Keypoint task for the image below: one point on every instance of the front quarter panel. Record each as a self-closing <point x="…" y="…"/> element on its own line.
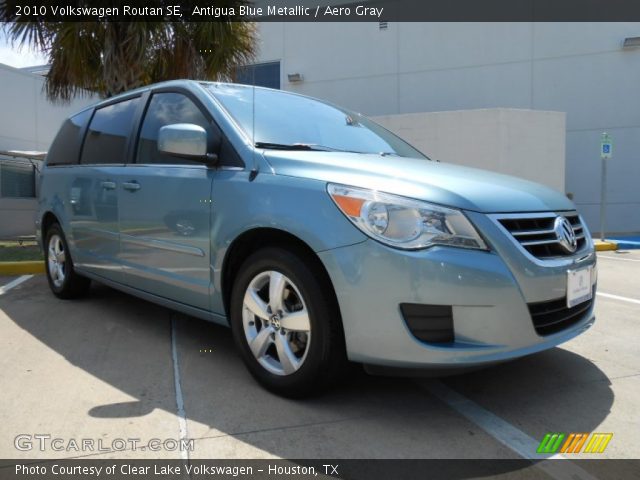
<point x="301" y="207"/>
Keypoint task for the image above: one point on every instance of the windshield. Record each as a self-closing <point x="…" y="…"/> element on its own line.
<point x="289" y="121"/>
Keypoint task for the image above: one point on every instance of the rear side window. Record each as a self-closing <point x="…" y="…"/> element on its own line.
<point x="109" y="130"/>
<point x="65" y="148"/>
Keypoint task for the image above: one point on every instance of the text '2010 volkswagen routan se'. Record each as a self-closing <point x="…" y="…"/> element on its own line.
<point x="316" y="234"/>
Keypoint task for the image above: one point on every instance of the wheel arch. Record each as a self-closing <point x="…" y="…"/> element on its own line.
<point x="258" y="238"/>
<point x="48" y="219"/>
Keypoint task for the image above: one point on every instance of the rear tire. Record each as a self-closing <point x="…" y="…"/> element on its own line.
<point x="63" y="280"/>
<point x="286" y="323"/>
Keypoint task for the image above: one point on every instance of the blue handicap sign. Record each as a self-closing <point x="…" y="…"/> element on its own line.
<point x="606" y="148"/>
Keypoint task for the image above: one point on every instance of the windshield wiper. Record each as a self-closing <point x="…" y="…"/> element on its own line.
<point x="313" y="147"/>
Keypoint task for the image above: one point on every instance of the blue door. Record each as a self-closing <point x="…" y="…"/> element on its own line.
<point x="164" y="205"/>
<point x="93" y="189"/>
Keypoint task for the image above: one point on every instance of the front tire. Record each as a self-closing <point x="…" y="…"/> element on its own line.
<point x="286" y="323"/>
<point x="63" y="280"/>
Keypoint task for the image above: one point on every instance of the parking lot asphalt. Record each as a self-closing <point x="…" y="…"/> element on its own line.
<point x="103" y="368"/>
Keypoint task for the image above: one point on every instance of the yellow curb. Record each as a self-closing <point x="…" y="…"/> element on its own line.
<point x="21" y="268"/>
<point x="604" y="246"/>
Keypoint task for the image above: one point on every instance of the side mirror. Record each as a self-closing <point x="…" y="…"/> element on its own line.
<point x="185" y="140"/>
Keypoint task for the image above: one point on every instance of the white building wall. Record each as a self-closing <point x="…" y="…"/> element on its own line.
<point x="577" y="68"/>
<point x="526" y="143"/>
<point x="28" y="121"/>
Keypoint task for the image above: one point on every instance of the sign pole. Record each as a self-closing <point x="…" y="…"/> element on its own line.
<point x="603" y="198"/>
<point x="606" y="152"/>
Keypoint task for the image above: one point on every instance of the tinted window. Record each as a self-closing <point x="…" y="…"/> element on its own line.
<point x="106" y="140"/>
<point x="261" y="75"/>
<point x="65" y="148"/>
<point x="17" y="179"/>
<point x="166" y="109"/>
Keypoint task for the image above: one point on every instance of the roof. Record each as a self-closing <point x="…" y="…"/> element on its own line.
<point x="37" y="69"/>
<point x="29" y="154"/>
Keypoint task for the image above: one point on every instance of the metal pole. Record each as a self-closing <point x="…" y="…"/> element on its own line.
<point x="603" y="198"/>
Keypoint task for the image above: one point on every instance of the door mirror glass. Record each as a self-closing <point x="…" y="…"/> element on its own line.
<point x="183" y="140"/>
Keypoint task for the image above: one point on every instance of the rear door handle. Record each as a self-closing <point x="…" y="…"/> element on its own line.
<point x="108" y="185"/>
<point x="131" y="186"/>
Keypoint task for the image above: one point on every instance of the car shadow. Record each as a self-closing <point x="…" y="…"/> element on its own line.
<point x="126" y="342"/>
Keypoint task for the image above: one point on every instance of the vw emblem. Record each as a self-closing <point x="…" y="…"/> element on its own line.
<point x="565" y="234"/>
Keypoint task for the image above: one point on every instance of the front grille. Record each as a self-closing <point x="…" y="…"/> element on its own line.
<point x="554" y="316"/>
<point x="537" y="236"/>
<point x="429" y="323"/>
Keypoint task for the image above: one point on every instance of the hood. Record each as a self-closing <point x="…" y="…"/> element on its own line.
<point x="444" y="184"/>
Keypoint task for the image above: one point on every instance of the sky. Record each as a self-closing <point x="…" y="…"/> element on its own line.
<point x="17" y="57"/>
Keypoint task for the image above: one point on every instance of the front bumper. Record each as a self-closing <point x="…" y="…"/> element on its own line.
<point x="489" y="293"/>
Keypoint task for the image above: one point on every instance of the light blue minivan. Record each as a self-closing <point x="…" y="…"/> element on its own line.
<point x="316" y="234"/>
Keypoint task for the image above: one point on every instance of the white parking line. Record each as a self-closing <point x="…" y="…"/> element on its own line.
<point x="618" y="297"/>
<point x="505" y="433"/>
<point x="619" y="259"/>
<point x="5" y="288"/>
<point x="182" y="417"/>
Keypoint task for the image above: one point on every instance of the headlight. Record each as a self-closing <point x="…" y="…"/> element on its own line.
<point x="404" y="223"/>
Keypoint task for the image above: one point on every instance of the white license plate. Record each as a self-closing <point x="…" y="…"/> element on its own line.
<point x="578" y="286"/>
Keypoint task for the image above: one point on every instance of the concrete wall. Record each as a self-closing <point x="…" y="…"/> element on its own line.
<point x="525" y="143"/>
<point x="28" y="121"/>
<point x="577" y="68"/>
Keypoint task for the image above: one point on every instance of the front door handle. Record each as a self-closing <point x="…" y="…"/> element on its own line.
<point x="108" y="185"/>
<point x="131" y="186"/>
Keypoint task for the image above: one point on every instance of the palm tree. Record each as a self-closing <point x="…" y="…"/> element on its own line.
<point x="111" y="57"/>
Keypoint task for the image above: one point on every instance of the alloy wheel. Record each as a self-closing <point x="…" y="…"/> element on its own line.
<point x="276" y="323"/>
<point x="56" y="258"/>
